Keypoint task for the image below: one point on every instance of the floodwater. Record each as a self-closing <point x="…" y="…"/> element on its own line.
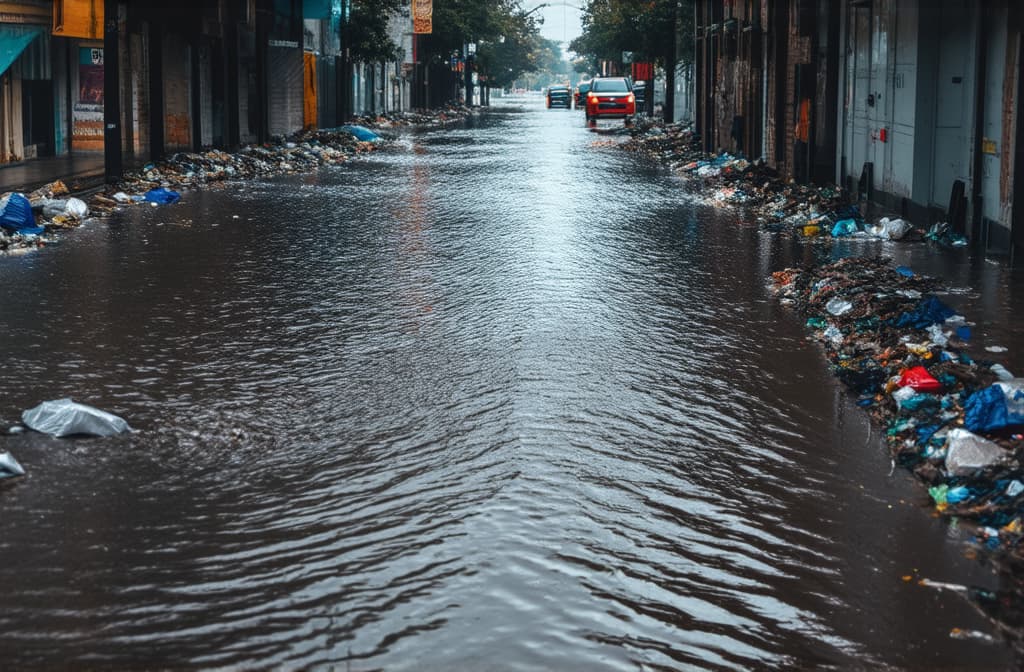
<point x="503" y="397"/>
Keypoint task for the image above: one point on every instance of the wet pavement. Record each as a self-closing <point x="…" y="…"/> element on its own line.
<point x="502" y="397"/>
<point x="80" y="172"/>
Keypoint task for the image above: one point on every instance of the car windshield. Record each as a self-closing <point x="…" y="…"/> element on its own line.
<point x="609" y="86"/>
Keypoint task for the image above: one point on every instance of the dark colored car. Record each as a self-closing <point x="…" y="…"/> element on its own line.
<point x="611" y="98"/>
<point x="559" y="96"/>
<point x="640" y="93"/>
<point x="580" y="97"/>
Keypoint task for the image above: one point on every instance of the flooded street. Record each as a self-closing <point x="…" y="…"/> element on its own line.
<point x="501" y="397"/>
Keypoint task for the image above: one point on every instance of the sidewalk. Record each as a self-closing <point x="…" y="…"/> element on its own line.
<point x="80" y="172"/>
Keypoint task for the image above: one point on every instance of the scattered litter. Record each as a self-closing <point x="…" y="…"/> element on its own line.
<point x="64" y="417"/>
<point x="976" y="635"/>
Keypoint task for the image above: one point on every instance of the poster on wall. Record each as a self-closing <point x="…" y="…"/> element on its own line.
<point x="87" y="131"/>
<point x="90" y="76"/>
<point x="422" y="17"/>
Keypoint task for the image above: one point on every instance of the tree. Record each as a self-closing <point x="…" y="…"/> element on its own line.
<point x="368" y="30"/>
<point x="648" y="28"/>
<point x="507" y="38"/>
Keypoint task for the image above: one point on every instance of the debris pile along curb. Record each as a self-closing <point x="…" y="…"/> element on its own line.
<point x="803" y="209"/>
<point x="956" y="422"/>
<point x="302" y="152"/>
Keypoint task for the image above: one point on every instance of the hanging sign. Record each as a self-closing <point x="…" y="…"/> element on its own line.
<point x="422" y="17"/>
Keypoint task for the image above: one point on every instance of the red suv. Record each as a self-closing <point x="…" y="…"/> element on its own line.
<point x="610" y="98"/>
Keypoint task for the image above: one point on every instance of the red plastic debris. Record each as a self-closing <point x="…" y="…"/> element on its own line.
<point x="918" y="378"/>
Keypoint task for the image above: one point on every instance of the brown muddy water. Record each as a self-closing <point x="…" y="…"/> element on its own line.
<point x="501" y="397"/>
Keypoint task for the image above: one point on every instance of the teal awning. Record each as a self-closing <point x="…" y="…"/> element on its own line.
<point x="13" y="40"/>
<point x="321" y="8"/>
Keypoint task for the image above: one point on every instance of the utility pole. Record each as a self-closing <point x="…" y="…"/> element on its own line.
<point x="470" y="55"/>
<point x="112" y="158"/>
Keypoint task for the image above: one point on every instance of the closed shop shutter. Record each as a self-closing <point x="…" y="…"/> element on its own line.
<point x="285" y="81"/>
<point x="177" y="66"/>
<point x="206" y="96"/>
<point x="327" y="95"/>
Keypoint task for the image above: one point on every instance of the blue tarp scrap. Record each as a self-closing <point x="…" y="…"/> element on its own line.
<point x="930" y="311"/>
<point x="163" y="196"/>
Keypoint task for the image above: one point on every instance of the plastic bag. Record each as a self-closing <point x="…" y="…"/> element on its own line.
<point x="920" y="380"/>
<point x="162" y="195"/>
<point x="998" y="405"/>
<point x="838" y="306"/>
<point x="967" y="452"/>
<point x="891" y="229"/>
<point x="76" y="207"/>
<point x="64" y="417"/>
<point x="845" y="227"/>
<point x="362" y="133"/>
<point x="9" y="466"/>
<point x="16" y="216"/>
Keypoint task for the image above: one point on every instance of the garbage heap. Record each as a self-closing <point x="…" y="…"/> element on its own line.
<point x="27" y="221"/>
<point x="303" y="152"/>
<point x="805" y="210"/>
<point x="954" y="421"/>
<point x="437" y="117"/>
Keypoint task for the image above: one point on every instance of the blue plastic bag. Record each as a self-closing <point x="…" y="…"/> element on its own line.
<point x="163" y="196"/>
<point x="845" y="227"/>
<point x="997" y="406"/>
<point x="17" y="217"/>
<point x="362" y="133"/>
<point x="930" y="311"/>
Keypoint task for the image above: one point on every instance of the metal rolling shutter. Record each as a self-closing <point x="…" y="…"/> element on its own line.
<point x="285" y="79"/>
<point x="177" y="110"/>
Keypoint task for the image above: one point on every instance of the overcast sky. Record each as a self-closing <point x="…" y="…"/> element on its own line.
<point x="561" y="19"/>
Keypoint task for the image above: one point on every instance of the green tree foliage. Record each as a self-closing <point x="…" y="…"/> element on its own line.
<point x="508" y="39"/>
<point x="648" y="28"/>
<point x="368" y="30"/>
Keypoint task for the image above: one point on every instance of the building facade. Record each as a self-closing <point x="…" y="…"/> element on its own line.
<point x="152" y="78"/>
<point x="910" y="103"/>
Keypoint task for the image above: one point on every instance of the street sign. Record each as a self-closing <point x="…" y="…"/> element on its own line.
<point x="627" y="57"/>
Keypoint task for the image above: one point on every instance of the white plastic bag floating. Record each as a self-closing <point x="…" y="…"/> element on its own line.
<point x="64" y="417"/>
<point x="891" y="229"/>
<point x="9" y="466"/>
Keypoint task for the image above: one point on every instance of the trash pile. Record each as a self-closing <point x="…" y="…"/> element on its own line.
<point x="20" y="228"/>
<point x="30" y="221"/>
<point x="956" y="422"/>
<point x="803" y="209"/>
<point x="303" y="152"/>
<point x="438" y="117"/>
